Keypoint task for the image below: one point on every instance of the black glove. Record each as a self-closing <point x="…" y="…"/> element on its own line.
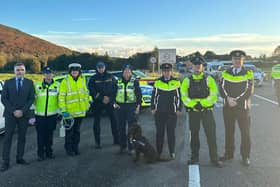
<point x="198" y="106"/>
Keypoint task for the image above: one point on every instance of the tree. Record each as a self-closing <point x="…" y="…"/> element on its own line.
<point x="263" y="56"/>
<point x="35" y="66"/>
<point x="44" y="60"/>
<point x="209" y="55"/>
<point x="3" y="59"/>
<point x="276" y="51"/>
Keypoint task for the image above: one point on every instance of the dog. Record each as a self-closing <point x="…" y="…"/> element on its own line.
<point x="141" y="144"/>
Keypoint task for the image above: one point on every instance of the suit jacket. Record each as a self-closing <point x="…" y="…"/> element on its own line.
<point x="14" y="100"/>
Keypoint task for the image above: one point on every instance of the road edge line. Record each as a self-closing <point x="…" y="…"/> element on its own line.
<point x="266" y="99"/>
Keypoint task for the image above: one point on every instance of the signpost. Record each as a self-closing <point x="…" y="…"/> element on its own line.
<point x="166" y="56"/>
<point x="153" y="61"/>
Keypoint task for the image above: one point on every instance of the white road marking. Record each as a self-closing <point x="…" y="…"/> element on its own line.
<point x="266" y="99"/>
<point x="194" y="176"/>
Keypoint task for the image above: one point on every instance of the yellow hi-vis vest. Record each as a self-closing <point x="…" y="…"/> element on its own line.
<point x="74" y="96"/>
<point x="46" y="99"/>
<point x="275" y="72"/>
<point x="130" y="94"/>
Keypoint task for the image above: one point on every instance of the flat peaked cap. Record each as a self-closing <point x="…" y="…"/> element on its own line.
<point x="100" y="64"/>
<point x="237" y="53"/>
<point x="74" y="65"/>
<point x="166" y="66"/>
<point x="47" y="70"/>
<point x="197" y="60"/>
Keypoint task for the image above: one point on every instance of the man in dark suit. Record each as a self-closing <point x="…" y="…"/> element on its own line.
<point x="17" y="97"/>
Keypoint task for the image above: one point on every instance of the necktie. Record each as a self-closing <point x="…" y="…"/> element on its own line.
<point x="18" y="85"/>
<point x="235" y="71"/>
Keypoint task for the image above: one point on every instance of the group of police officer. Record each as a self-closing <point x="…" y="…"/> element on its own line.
<point x="199" y="93"/>
<point x="122" y="99"/>
<point x="71" y="98"/>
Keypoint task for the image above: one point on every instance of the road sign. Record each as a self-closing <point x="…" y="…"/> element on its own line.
<point x="167" y="56"/>
<point x="153" y="60"/>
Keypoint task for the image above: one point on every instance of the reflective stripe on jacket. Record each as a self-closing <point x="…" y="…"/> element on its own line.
<point x="74" y="96"/>
<point x="166" y="95"/>
<point x="126" y="93"/>
<point x="240" y="87"/>
<point x="206" y="102"/>
<point x="46" y="98"/>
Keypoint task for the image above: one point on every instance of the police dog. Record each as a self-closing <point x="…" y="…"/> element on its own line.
<point x="141" y="144"/>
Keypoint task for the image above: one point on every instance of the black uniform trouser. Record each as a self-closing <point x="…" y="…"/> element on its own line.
<point x="125" y="117"/>
<point x="244" y="121"/>
<point x="72" y="136"/>
<point x="45" y="127"/>
<point x="165" y="120"/>
<point x="10" y="125"/>
<point x="209" y="125"/>
<point x="98" y="108"/>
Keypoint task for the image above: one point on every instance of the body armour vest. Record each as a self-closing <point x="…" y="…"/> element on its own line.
<point x="198" y="88"/>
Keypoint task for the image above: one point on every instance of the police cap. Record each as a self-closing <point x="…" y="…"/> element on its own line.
<point x="237" y="53"/>
<point x="100" y="65"/>
<point x="75" y="66"/>
<point x="166" y="66"/>
<point x="197" y="60"/>
<point x="47" y="70"/>
<point x="126" y="66"/>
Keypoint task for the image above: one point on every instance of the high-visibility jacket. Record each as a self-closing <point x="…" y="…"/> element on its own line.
<point x="166" y="95"/>
<point x="206" y="100"/>
<point x="128" y="92"/>
<point x="46" y="98"/>
<point x="240" y="87"/>
<point x="74" y="96"/>
<point x="275" y="72"/>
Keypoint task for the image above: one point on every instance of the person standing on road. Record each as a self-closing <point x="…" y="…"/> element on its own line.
<point x="128" y="102"/>
<point x="17" y="98"/>
<point x="46" y="110"/>
<point x="102" y="87"/>
<point x="275" y="75"/>
<point x="199" y="94"/>
<point x="74" y="101"/>
<point x="237" y="86"/>
<point x="166" y="106"/>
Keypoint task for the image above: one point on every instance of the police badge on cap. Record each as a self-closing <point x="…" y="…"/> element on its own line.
<point x="237" y="53"/>
<point x="46" y="70"/>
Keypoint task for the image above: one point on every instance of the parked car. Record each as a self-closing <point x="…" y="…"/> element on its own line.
<point x="259" y="75"/>
<point x="145" y="89"/>
<point x="2" y="119"/>
<point x="143" y="78"/>
<point x="213" y="69"/>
